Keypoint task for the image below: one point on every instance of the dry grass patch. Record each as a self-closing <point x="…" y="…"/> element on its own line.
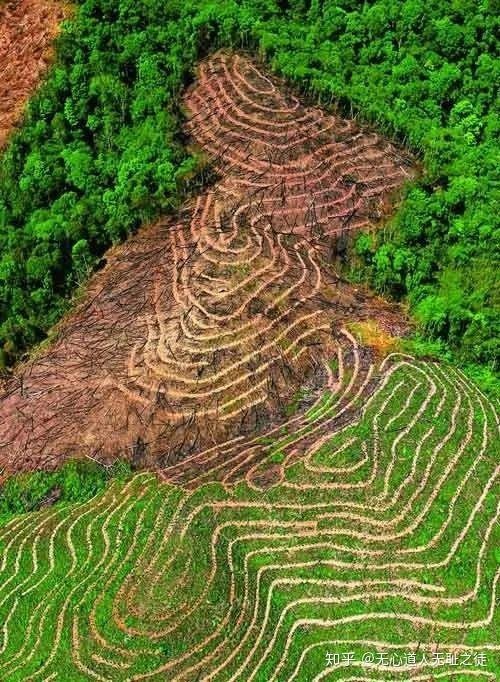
<point x="369" y="333"/>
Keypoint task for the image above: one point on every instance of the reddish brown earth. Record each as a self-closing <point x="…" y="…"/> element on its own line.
<point x="202" y="328"/>
<point x="27" y="29"/>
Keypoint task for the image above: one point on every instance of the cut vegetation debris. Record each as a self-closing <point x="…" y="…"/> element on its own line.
<point x="27" y="29"/>
<point x="202" y="327"/>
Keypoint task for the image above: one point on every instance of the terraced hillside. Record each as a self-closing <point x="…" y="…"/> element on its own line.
<point x="375" y="557"/>
<point x="202" y="328"/>
<point x="27" y="29"/>
<point x="315" y="508"/>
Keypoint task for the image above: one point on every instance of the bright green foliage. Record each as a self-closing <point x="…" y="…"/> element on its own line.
<point x="381" y="537"/>
<point x="101" y="149"/>
<point x="75" y="481"/>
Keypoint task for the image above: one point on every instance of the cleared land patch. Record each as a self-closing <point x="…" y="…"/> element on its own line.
<point x="27" y="29"/>
<point x="203" y="328"/>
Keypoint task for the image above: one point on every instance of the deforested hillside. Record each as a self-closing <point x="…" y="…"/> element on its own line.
<point x="259" y="440"/>
<point x="205" y="326"/>
<point x="27" y="29"/>
<point x="101" y="151"/>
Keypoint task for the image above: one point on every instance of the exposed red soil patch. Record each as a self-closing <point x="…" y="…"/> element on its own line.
<point x="201" y="328"/>
<point x="27" y="29"/>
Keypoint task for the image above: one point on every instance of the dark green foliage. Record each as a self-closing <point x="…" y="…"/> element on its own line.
<point x="75" y="481"/>
<point x="101" y="149"/>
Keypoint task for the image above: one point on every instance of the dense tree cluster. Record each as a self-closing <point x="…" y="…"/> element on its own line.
<point x="101" y="148"/>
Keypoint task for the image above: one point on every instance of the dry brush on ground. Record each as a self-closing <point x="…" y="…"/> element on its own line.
<point x="27" y="29"/>
<point x="204" y="326"/>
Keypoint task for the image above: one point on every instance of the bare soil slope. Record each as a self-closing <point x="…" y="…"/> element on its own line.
<point x="202" y="328"/>
<point x="27" y="29"/>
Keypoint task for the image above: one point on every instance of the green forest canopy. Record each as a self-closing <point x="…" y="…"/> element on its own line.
<point x="101" y="148"/>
